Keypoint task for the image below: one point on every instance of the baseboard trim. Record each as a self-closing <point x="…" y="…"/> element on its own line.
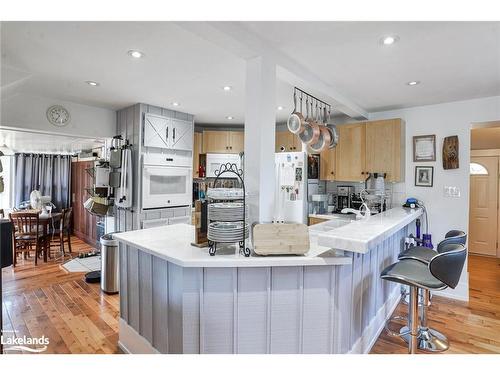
<point x="371" y="333"/>
<point x="130" y="342"/>
<point x="461" y="292"/>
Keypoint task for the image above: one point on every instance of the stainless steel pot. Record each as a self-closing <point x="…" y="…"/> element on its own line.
<point x="296" y="121"/>
<point x="334" y="139"/>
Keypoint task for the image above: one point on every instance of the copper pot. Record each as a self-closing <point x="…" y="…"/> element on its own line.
<point x="311" y="131"/>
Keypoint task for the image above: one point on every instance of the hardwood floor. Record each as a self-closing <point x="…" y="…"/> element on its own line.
<point x="46" y="300"/>
<point x="79" y="318"/>
<point x="471" y="327"/>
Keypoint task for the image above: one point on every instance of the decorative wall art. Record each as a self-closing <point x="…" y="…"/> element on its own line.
<point x="450" y="152"/>
<point x="424" y="176"/>
<point x="424" y="148"/>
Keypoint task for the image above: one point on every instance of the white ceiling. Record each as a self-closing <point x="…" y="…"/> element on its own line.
<point x="22" y="141"/>
<point x="453" y="61"/>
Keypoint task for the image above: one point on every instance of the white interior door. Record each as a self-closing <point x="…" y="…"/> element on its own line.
<point x="156" y="131"/>
<point x="483" y="216"/>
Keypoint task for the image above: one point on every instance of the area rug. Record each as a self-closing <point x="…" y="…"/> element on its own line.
<point x="83" y="264"/>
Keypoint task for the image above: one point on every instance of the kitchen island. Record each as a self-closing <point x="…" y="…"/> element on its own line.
<point x="175" y="298"/>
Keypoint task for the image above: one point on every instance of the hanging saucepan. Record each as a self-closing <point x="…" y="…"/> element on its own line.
<point x="311" y="131"/>
<point x="296" y="120"/>
<point x="333" y="131"/>
<point x="324" y="136"/>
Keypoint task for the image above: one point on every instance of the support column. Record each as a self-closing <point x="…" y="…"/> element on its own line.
<point x="260" y="128"/>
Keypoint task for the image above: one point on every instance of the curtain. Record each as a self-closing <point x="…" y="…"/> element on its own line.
<point x="50" y="174"/>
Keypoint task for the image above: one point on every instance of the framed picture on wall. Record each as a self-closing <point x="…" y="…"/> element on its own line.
<point x="424" y="176"/>
<point x="424" y="148"/>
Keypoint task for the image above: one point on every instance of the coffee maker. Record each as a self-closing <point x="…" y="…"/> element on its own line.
<point x="344" y="194"/>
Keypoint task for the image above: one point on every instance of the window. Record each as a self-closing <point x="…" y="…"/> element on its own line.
<point x="478" y="169"/>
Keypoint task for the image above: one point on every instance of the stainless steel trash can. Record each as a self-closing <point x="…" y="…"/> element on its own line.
<point x="110" y="280"/>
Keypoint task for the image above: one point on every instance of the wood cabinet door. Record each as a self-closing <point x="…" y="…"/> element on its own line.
<point x="483" y="215"/>
<point x="383" y="148"/>
<point x="327" y="164"/>
<point x="296" y="143"/>
<point x="215" y="141"/>
<point x="84" y="224"/>
<point x="350" y="157"/>
<point x="197" y="150"/>
<point x="285" y="141"/>
<point x="236" y="142"/>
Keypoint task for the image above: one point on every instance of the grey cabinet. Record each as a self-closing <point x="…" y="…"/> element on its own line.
<point x="156" y="131"/>
<point x="167" y="133"/>
<point x="182" y="135"/>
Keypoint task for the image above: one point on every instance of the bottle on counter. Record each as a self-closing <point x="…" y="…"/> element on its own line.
<point x="201" y="171"/>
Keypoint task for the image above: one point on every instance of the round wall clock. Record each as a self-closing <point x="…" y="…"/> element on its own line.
<point x="58" y="115"/>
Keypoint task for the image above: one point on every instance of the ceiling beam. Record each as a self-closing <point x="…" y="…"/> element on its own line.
<point x="236" y="38"/>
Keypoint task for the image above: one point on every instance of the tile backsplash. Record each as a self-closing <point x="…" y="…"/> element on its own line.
<point x="397" y="191"/>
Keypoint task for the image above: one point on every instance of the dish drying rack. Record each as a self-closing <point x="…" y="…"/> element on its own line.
<point x="229" y="168"/>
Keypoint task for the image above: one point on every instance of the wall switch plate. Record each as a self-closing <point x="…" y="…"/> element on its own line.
<point x="451" y="192"/>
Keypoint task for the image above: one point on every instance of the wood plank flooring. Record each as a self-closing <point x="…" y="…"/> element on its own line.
<point x="471" y="327"/>
<point x="79" y="318"/>
<point x="46" y="300"/>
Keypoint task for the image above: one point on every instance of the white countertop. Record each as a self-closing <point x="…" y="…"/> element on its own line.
<point x="333" y="216"/>
<point x="173" y="243"/>
<point x="360" y="236"/>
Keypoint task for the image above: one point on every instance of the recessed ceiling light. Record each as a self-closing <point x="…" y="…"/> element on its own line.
<point x="413" y="83"/>
<point x="175" y="104"/>
<point x="92" y="83"/>
<point x="389" y="39"/>
<point x="280" y="108"/>
<point x="135" y="54"/>
<point x="227" y="88"/>
<point x="229" y="117"/>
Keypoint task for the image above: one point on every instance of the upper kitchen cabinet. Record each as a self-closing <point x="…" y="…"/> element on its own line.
<point x="167" y="133"/>
<point x="384" y="148"/>
<point x="350" y="155"/>
<point x="226" y="142"/>
<point x="287" y="141"/>
<point x="327" y="167"/>
<point x="156" y="130"/>
<point x="182" y="135"/>
<point x="236" y="142"/>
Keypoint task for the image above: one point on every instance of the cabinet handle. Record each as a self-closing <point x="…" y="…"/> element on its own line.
<point x="332" y="173"/>
<point x="166" y="133"/>
<point x="230" y="147"/>
<point x="174" y="133"/>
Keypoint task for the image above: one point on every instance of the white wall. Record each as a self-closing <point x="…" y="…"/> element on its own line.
<point x="444" y="120"/>
<point x="29" y="112"/>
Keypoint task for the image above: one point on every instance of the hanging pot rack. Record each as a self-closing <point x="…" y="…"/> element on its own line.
<point x="321" y="120"/>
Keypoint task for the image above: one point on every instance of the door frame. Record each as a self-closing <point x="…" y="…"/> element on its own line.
<point x="491" y="153"/>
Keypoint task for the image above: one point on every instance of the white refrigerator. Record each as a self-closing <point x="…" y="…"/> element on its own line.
<point x="291" y="187"/>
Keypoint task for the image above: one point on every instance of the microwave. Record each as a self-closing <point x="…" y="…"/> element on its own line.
<point x="166" y="181"/>
<point x="215" y="161"/>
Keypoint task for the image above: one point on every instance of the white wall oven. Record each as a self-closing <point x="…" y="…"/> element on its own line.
<point x="167" y="181"/>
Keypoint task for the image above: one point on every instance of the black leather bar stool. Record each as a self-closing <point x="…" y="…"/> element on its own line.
<point x="430" y="339"/>
<point x="442" y="271"/>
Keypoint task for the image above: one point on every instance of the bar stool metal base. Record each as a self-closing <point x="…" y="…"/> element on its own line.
<point x="429" y="340"/>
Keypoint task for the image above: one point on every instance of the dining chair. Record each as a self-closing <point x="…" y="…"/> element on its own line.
<point x="27" y="233"/>
<point x="62" y="234"/>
